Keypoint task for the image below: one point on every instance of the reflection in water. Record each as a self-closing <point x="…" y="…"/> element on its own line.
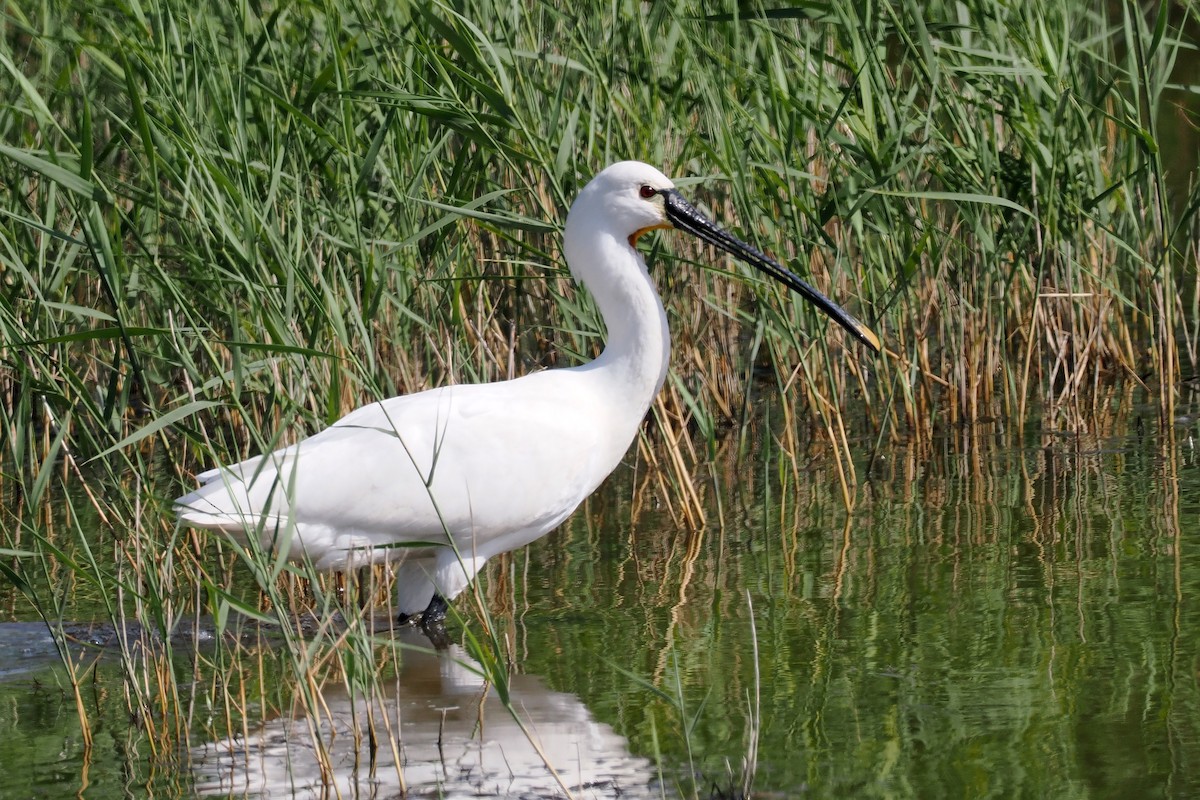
<point x="436" y="734"/>
<point x="999" y="616"/>
<point x="1004" y="613"/>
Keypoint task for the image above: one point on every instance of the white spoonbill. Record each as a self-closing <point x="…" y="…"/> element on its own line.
<point x="442" y="480"/>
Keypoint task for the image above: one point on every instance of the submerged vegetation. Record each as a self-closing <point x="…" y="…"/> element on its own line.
<point x="224" y="226"/>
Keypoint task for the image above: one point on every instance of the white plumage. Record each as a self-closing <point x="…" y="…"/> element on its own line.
<point x="495" y="465"/>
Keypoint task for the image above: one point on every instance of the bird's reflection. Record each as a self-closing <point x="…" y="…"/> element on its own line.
<point x="436" y="733"/>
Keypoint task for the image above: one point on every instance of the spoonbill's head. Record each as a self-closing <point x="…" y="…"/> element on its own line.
<point x="630" y="198"/>
<point x="625" y="198"/>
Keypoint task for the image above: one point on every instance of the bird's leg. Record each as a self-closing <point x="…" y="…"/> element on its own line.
<point x="436" y="610"/>
<point x="433" y="622"/>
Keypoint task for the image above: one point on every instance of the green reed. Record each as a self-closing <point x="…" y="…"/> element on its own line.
<point x="225" y="226"/>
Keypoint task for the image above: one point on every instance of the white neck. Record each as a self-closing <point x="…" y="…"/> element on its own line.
<point x="633" y="365"/>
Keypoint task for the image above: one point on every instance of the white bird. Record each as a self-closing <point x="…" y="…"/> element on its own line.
<point x="442" y="480"/>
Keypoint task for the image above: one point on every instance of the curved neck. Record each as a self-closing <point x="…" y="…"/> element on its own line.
<point x="637" y="351"/>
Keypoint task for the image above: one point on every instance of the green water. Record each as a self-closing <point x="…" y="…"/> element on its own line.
<point x="995" y="619"/>
<point x="993" y="622"/>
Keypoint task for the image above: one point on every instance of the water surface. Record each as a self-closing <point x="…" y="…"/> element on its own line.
<point x="999" y="616"/>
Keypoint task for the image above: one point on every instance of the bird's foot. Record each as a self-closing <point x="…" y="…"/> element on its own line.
<point x="435" y="612"/>
<point x="432" y="621"/>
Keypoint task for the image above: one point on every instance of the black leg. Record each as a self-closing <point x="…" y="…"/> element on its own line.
<point x="433" y="622"/>
<point x="435" y="612"/>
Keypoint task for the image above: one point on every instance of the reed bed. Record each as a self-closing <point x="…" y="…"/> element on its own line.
<point x="222" y="227"/>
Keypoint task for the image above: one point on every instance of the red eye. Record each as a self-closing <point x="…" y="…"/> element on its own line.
<point x="647" y="191"/>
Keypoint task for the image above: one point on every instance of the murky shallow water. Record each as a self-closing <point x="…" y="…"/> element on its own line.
<point x="991" y="621"/>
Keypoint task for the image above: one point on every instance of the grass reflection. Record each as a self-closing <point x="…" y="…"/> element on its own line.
<point x="990" y="619"/>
